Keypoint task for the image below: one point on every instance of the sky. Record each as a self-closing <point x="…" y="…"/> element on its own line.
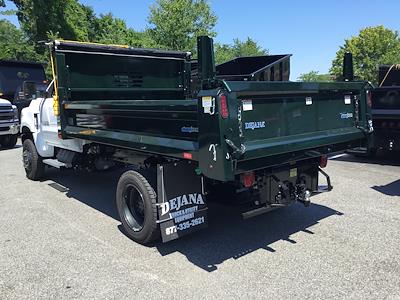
<point x="311" y="30"/>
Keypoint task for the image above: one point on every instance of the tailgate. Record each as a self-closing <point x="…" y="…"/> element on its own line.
<point x="280" y="122"/>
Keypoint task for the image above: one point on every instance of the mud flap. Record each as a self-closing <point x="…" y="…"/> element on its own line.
<point x="181" y="206"/>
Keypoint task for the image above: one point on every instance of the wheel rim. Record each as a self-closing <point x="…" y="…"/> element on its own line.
<point x="134" y="208"/>
<point x="27" y="160"/>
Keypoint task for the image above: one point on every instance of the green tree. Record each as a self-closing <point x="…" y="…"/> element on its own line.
<point x="249" y="47"/>
<point x="175" y="24"/>
<point x="14" y="44"/>
<point x="314" y="76"/>
<point x="67" y="19"/>
<point x="108" y="29"/>
<point x="372" y="47"/>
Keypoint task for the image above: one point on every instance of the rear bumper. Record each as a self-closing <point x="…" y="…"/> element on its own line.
<point x="283" y="151"/>
<point x="9" y="128"/>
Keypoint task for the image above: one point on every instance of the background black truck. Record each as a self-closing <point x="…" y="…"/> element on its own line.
<point x="21" y="81"/>
<point x="386" y="110"/>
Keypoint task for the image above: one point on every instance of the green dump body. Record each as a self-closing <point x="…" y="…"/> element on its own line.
<point x="142" y="100"/>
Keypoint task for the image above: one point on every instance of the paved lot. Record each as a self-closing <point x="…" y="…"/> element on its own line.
<point x="67" y="243"/>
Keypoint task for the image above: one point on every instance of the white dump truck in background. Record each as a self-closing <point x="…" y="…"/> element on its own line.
<point x="9" y="124"/>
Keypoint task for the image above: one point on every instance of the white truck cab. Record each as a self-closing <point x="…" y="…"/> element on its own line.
<point x="9" y="124"/>
<point x="39" y="120"/>
<point x="41" y="143"/>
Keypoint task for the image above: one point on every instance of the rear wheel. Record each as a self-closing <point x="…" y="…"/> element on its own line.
<point x="136" y="203"/>
<point x="9" y="141"/>
<point x="33" y="162"/>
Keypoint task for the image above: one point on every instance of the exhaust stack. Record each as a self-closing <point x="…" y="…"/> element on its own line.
<point x="348" y="68"/>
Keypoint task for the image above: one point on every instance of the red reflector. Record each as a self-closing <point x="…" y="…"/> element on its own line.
<point x="187" y="155"/>
<point x="323" y="161"/>
<point x="248" y="179"/>
<point x="59" y="134"/>
<point x="369" y="98"/>
<point x="223" y="106"/>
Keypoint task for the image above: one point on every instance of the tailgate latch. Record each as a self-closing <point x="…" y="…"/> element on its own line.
<point x="236" y="149"/>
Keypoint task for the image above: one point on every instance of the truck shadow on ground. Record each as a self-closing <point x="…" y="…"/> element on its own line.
<point x="228" y="235"/>
<point x="5" y="149"/>
<point x="390" y="189"/>
<point x="383" y="158"/>
<point x="96" y="190"/>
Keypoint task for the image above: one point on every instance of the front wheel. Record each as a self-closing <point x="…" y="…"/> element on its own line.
<point x="9" y="141"/>
<point x="136" y="203"/>
<point x="33" y="162"/>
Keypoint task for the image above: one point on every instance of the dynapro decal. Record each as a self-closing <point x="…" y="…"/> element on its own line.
<point x="189" y="129"/>
<point x="254" y="125"/>
<point x="347" y="115"/>
<point x="174" y="205"/>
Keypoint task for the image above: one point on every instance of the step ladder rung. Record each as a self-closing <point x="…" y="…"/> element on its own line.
<point x="54" y="163"/>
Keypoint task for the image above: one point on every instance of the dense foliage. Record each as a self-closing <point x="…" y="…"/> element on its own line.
<point x="225" y="52"/>
<point x="175" y="24"/>
<point x="15" y="45"/>
<point x="172" y="24"/>
<point x="314" y="76"/>
<point x="372" y="47"/>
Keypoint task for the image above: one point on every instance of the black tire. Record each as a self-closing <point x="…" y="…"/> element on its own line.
<point x="33" y="162"/>
<point x="9" y="141"/>
<point x="136" y="204"/>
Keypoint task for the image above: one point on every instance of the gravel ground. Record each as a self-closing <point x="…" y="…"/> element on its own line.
<point x="66" y="242"/>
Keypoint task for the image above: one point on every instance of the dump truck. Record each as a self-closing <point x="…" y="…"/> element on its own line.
<point x="15" y="78"/>
<point x="385" y="109"/>
<point x="20" y="81"/>
<point x="9" y="124"/>
<point x="187" y="131"/>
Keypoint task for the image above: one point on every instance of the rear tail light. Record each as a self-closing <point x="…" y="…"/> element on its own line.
<point x="223" y="104"/>
<point x="369" y="98"/>
<point x="248" y="179"/>
<point x="323" y="161"/>
<point x="187" y="155"/>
